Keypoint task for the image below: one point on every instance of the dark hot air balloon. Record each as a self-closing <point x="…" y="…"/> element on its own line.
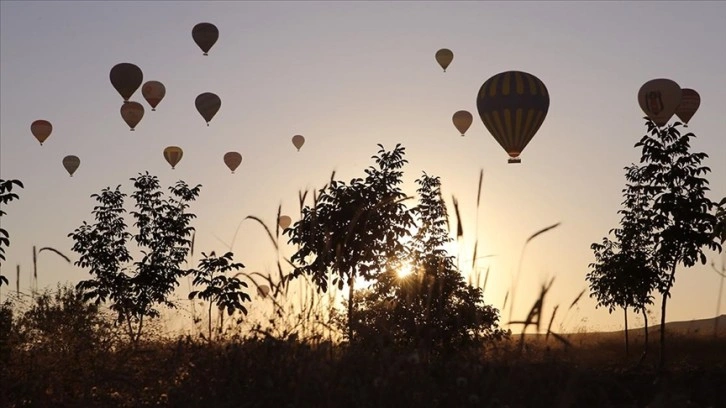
<point x="659" y="99"/>
<point x="208" y="105"/>
<point x="71" y="164"/>
<point x="690" y="101"/>
<point x="173" y="154"/>
<point x="205" y="35"/>
<point x="41" y="129"/>
<point x="153" y="92"/>
<point x="232" y="160"/>
<point x="444" y="57"/>
<point x="513" y="105"/>
<point x="132" y="112"/>
<point x="462" y="121"/>
<point x="298" y="141"/>
<point x="126" y="78"/>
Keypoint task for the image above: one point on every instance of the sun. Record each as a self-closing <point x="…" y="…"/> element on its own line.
<point x="405" y="270"/>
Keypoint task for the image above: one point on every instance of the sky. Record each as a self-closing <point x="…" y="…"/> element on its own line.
<point x="347" y="76"/>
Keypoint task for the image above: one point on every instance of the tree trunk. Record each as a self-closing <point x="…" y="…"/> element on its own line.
<point x="627" y="342"/>
<point x="351" y="285"/>
<point x="661" y="364"/>
<point x="645" y="345"/>
<point x="209" y="319"/>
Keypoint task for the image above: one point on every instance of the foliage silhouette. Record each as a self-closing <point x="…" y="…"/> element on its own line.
<point x="6" y="196"/>
<point x="433" y="307"/>
<point x="219" y="289"/>
<point x="354" y="229"/>
<point x="136" y="290"/>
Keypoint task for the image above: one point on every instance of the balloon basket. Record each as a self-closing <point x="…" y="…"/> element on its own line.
<point x="514" y="160"/>
<point x="132" y="129"/>
<point x="153" y="109"/>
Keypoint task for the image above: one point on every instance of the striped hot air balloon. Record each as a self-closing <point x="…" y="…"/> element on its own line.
<point x="690" y="101"/>
<point x="513" y="105"/>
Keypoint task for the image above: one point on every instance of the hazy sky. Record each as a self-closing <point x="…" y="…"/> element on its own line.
<point x="349" y="75"/>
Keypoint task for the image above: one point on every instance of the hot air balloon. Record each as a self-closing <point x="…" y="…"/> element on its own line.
<point x="41" y="129"/>
<point x="232" y="160"/>
<point x="690" y="101"/>
<point x="512" y="105"/>
<point x="126" y="78"/>
<point x="659" y="99"/>
<point x="205" y="35"/>
<point x="298" y="141"/>
<point x="208" y="104"/>
<point x="153" y="92"/>
<point x="263" y="291"/>
<point x="444" y="57"/>
<point x="284" y="221"/>
<point x="132" y="112"/>
<point x="71" y="164"/>
<point x="462" y="120"/>
<point x="173" y="154"/>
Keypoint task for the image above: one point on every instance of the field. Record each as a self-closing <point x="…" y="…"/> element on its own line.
<point x="85" y="362"/>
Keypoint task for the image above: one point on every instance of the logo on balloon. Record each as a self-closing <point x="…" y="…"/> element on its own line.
<point x="655" y="102"/>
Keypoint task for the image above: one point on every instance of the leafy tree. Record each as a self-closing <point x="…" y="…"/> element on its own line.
<point x="6" y="196"/>
<point x="220" y="290"/>
<point x="432" y="307"/>
<point x="354" y="229"/>
<point x="136" y="289"/>
<point x="623" y="275"/>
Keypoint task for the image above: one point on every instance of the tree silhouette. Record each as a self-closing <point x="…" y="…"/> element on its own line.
<point x="6" y="196"/>
<point x="219" y="289"/>
<point x="355" y="229"/>
<point x="163" y="228"/>
<point x="432" y="307"/>
<point x="622" y="274"/>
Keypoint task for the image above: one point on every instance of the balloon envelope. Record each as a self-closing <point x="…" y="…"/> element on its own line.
<point x="208" y="105"/>
<point x="444" y="57"/>
<point x="263" y="290"/>
<point x="284" y="221"/>
<point x="232" y="160"/>
<point x="126" y="78"/>
<point x="132" y="112"/>
<point x="690" y="101"/>
<point x="173" y="154"/>
<point x="71" y="164"/>
<point x="41" y="129"/>
<point x="153" y="92"/>
<point x="659" y="99"/>
<point x="205" y="35"/>
<point x="298" y="141"/>
<point x="462" y="121"/>
<point x="513" y="105"/>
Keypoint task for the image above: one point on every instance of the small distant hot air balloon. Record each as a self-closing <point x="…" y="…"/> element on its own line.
<point x="71" y="164"/>
<point x="659" y="99"/>
<point x="153" y="92"/>
<point x="284" y="221"/>
<point x="462" y="121"/>
<point x="298" y="141"/>
<point x="132" y="112"/>
<point x="513" y="105"/>
<point x="173" y="154"/>
<point x="263" y="291"/>
<point x="41" y="129"/>
<point x="444" y="57"/>
<point x="208" y="105"/>
<point x="232" y="160"/>
<point x="205" y="35"/>
<point x="126" y="78"/>
<point x="690" y="101"/>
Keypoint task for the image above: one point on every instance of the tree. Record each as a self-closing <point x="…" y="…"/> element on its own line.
<point x="136" y="289"/>
<point x="622" y="274"/>
<point x="6" y="196"/>
<point x="224" y="292"/>
<point x="354" y="229"/>
<point x="431" y="307"/>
